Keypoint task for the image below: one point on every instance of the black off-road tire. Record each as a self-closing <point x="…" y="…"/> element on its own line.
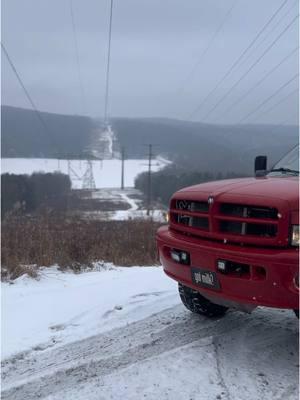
<point x="198" y="304"/>
<point x="296" y="313"/>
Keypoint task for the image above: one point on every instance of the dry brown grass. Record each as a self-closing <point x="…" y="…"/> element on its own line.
<point x="74" y="243"/>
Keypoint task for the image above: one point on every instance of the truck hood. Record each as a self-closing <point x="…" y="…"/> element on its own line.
<point x="282" y="188"/>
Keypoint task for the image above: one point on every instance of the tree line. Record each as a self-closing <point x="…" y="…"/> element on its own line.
<point x="172" y="178"/>
<point x="28" y="193"/>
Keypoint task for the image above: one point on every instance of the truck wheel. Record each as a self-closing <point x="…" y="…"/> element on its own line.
<point x="297" y="313"/>
<point x="198" y="304"/>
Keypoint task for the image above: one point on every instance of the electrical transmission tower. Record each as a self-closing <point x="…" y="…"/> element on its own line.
<point x="88" y="181"/>
<point x="72" y="173"/>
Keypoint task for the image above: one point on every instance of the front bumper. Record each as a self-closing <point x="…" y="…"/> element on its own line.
<point x="275" y="289"/>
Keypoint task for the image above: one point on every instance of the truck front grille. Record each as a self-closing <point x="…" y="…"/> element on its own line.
<point x="190" y="213"/>
<point x="248" y="220"/>
<point x="237" y="223"/>
<point x="194" y="222"/>
<point x="192" y="206"/>
<point x="244" y="228"/>
<point x="239" y="210"/>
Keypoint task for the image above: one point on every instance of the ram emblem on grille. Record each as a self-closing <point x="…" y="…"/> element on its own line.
<point x="183" y="205"/>
<point x="210" y="200"/>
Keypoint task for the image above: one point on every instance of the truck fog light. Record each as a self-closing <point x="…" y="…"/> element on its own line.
<point x="184" y="256"/>
<point x="221" y="265"/>
<point x="175" y="256"/>
<point x="180" y="256"/>
<point x="295" y="235"/>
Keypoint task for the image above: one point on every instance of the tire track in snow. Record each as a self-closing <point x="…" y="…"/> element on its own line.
<point x="255" y="355"/>
<point x="263" y="355"/>
<point x="219" y="369"/>
<point x="40" y="375"/>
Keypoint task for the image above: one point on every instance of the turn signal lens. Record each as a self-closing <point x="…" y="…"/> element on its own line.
<point x="167" y="217"/>
<point x="296" y="281"/>
<point x="295" y="235"/>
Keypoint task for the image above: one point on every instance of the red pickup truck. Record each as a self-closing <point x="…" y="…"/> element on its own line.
<point x="235" y="243"/>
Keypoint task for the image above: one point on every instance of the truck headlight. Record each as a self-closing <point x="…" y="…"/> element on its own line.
<point x="295" y="235"/>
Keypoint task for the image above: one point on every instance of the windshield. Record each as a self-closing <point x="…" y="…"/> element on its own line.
<point x="289" y="164"/>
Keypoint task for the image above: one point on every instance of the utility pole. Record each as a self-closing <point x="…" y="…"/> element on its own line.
<point x="122" y="167"/>
<point x="150" y="156"/>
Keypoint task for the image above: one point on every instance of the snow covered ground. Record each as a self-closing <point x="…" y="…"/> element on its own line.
<point x="60" y="307"/>
<point x="107" y="173"/>
<point x="131" y="197"/>
<point x="121" y="333"/>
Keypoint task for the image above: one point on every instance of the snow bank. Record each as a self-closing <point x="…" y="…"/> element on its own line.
<point x="63" y="307"/>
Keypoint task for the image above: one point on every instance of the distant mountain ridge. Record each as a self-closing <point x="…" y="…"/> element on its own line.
<point x="215" y="148"/>
<point x="196" y="145"/>
<point x="23" y="134"/>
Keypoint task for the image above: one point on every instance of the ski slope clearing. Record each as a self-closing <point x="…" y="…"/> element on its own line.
<point x="121" y="333"/>
<point x="107" y="173"/>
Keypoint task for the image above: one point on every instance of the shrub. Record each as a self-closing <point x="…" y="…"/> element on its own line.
<point x="70" y="242"/>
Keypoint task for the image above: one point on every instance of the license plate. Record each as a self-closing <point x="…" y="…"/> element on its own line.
<point x="205" y="278"/>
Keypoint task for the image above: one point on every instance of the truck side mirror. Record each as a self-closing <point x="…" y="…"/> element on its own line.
<point x="260" y="166"/>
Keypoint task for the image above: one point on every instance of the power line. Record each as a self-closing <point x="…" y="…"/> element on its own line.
<point x="251" y="67"/>
<point x="246" y="60"/>
<point x="268" y="98"/>
<point x="27" y="94"/>
<point x="237" y="61"/>
<point x="108" y="65"/>
<point x="208" y="46"/>
<point x="280" y="101"/>
<point x="288" y="121"/>
<point x="270" y="72"/>
<point x="82" y="93"/>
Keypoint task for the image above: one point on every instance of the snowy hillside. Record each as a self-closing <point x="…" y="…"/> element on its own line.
<point x="107" y="173"/>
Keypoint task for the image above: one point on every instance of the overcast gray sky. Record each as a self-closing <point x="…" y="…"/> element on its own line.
<point x="156" y="44"/>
